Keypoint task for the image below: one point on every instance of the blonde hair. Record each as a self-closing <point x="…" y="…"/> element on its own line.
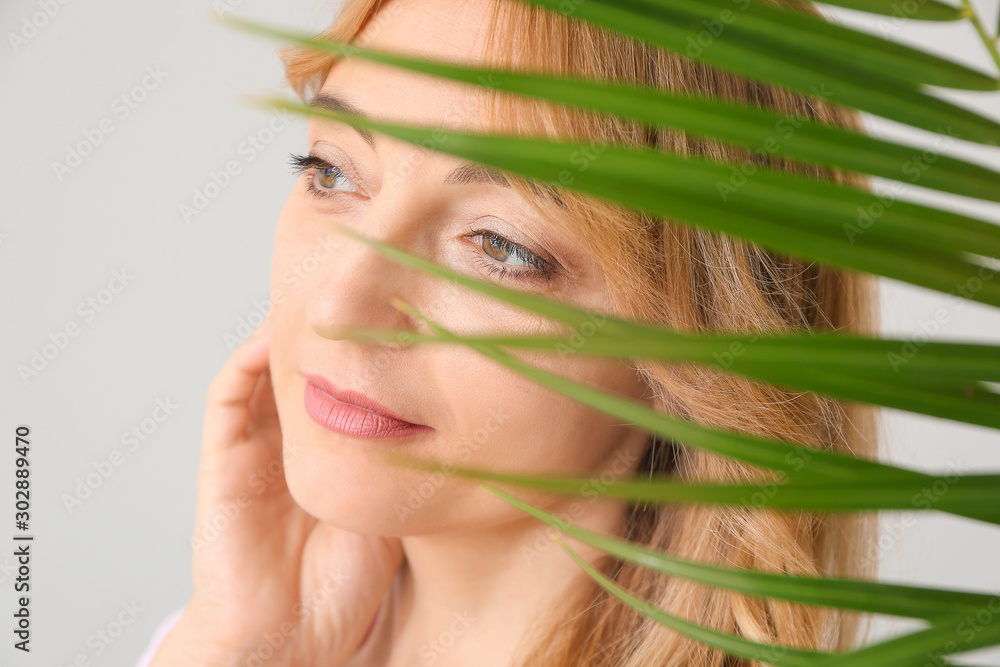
<point x="694" y="280"/>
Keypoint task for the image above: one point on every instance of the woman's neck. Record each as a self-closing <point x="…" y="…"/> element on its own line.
<point x="472" y="597"/>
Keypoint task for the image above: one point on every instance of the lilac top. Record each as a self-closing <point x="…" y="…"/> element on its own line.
<point x="162" y="630"/>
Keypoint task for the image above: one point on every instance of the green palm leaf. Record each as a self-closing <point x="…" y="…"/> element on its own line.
<point x="741" y="124"/>
<point x="874" y="597"/>
<point x="909" y="651"/>
<point x="897" y="245"/>
<point x="965" y="495"/>
<point x="855" y="368"/>
<point x="914" y="649"/>
<point x="781" y="656"/>
<point x="826" y="44"/>
<point x="753" y="54"/>
<point x="923" y="11"/>
<point x="841" y="226"/>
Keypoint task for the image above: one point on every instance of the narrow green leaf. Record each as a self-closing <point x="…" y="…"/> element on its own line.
<point x="781" y="656"/>
<point x="859" y="595"/>
<point x="958" y="399"/>
<point x="961" y="399"/>
<point x="897" y="653"/>
<point x="822" y="466"/>
<point x="965" y="632"/>
<point x="927" y="10"/>
<point x="791" y="459"/>
<point x="963" y="494"/>
<point x="829" y="44"/>
<point x="988" y="41"/>
<point x="755" y="356"/>
<point x="749" y="126"/>
<point x="676" y="31"/>
<point x="603" y="334"/>
<point x="686" y="189"/>
<point x="970" y="402"/>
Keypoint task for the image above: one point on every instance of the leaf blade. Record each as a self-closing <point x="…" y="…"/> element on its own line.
<point x="745" y="125"/>
<point x="858" y="595"/>
<point x="625" y="176"/>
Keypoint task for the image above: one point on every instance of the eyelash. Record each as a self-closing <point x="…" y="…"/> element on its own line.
<point x="542" y="268"/>
<point x="303" y="163"/>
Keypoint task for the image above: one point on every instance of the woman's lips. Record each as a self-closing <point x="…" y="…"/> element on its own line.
<point x="351" y="413"/>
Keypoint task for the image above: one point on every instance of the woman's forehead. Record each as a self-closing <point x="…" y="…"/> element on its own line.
<point x="448" y="30"/>
<point x="394" y="95"/>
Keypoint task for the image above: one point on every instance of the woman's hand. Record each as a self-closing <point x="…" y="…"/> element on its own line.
<point x="272" y="585"/>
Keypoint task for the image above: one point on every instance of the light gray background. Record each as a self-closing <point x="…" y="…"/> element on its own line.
<point x="163" y="336"/>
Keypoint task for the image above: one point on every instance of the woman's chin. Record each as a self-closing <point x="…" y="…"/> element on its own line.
<point x="359" y="493"/>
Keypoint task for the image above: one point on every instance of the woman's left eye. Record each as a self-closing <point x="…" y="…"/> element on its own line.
<point x="507" y="256"/>
<point x="325" y="176"/>
<point x="327" y="179"/>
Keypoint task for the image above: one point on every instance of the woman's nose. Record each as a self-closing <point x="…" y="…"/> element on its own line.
<point x="357" y="288"/>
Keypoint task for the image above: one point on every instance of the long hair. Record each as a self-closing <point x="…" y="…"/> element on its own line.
<point x="689" y="279"/>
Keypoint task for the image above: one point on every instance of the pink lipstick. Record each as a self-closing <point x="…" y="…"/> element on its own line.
<point x="353" y="413"/>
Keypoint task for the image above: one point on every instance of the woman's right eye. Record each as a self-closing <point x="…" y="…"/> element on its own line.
<point x="325" y="175"/>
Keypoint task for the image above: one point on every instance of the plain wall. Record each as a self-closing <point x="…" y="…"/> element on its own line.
<point x="190" y="283"/>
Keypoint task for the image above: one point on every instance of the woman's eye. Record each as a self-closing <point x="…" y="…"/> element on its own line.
<point x="326" y="179"/>
<point x="496" y="249"/>
<point x="508" y="258"/>
<point x="330" y="176"/>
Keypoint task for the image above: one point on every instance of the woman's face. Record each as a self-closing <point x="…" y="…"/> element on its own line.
<point x="476" y="412"/>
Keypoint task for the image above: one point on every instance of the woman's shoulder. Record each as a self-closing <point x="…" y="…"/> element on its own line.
<point x="162" y="630"/>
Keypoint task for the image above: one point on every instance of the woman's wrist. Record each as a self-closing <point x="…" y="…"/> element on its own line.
<point x="191" y="643"/>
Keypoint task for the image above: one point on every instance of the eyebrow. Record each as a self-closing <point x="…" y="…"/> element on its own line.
<point x="463" y="174"/>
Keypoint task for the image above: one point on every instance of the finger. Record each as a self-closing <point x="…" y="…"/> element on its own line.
<point x="227" y="410"/>
<point x="365" y="567"/>
<point x="263" y="408"/>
